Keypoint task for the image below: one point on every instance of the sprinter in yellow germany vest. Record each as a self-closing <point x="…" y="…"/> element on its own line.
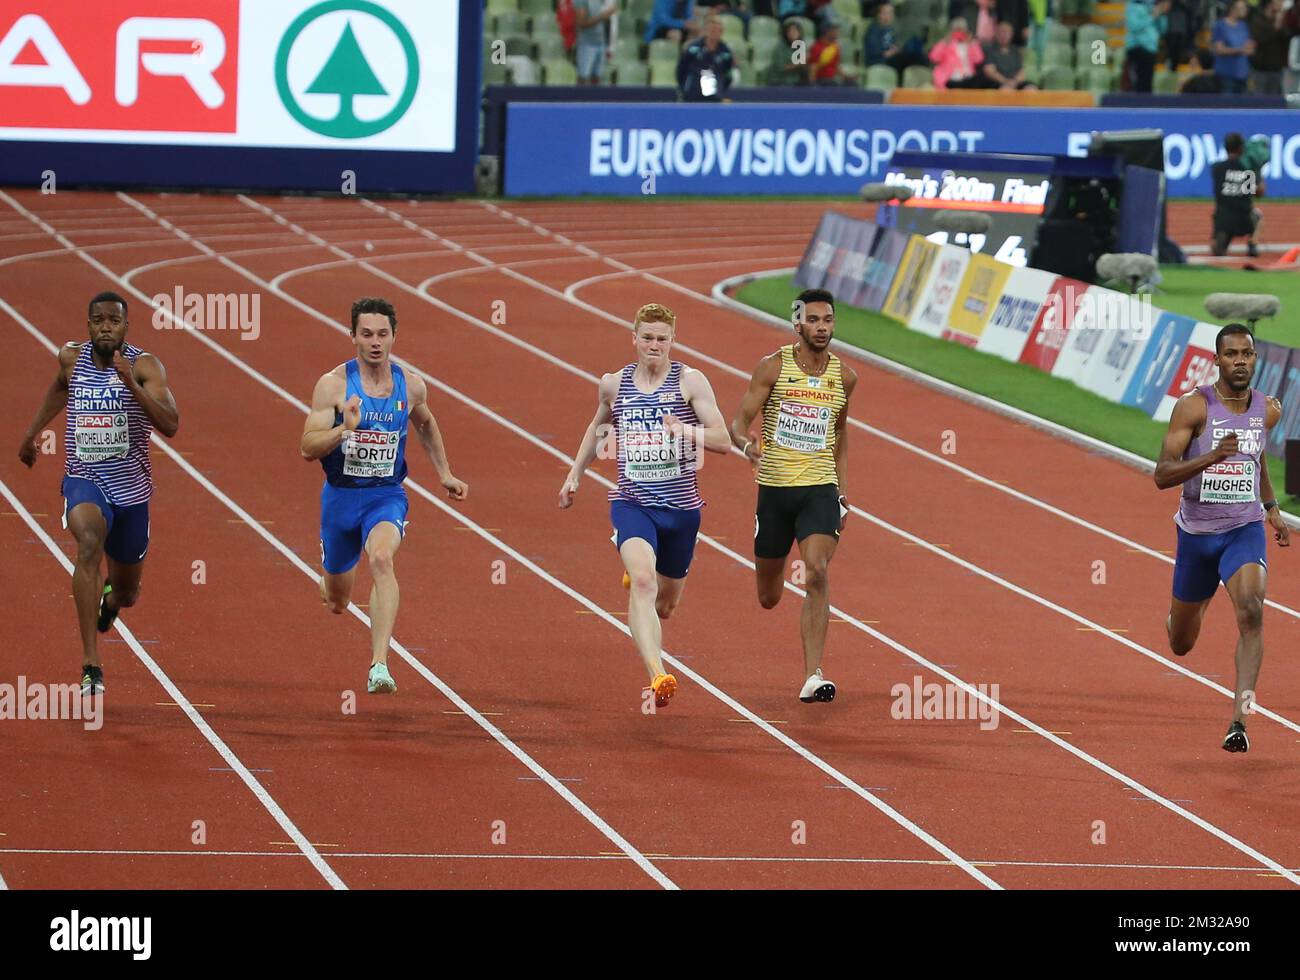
<point x="802" y="391"/>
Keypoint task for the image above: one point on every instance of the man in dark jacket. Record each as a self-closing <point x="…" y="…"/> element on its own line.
<point x="704" y="70"/>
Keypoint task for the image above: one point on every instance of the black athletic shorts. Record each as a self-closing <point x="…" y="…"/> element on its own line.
<point x="787" y="514"/>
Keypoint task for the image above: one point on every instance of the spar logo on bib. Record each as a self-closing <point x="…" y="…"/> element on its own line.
<point x="1229" y="482"/>
<point x="347" y="69"/>
<point x="802" y="427"/>
<point x="371" y="453"/>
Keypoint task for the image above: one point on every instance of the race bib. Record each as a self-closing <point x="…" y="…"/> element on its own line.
<point x="802" y="427"/>
<point x="1229" y="482"/>
<point x="650" y="456"/>
<point x="102" y="436"/>
<point x="370" y="453"/>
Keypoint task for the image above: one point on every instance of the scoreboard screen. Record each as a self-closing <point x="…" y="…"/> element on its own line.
<point x="1011" y="189"/>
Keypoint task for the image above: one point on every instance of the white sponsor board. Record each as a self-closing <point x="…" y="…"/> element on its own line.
<point x="1013" y="317"/>
<point x="940" y="290"/>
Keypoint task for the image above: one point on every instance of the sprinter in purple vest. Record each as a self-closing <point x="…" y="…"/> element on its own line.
<point x="662" y="414"/>
<point x="1215" y="449"/>
<point x="116" y="396"/>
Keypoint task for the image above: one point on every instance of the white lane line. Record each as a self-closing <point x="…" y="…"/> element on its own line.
<point x="563" y="791"/>
<point x="781" y="737"/>
<point x="215" y="740"/>
<point x="1051" y="736"/>
<point x="681" y="858"/>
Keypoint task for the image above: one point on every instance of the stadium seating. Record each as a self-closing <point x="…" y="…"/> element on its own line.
<point x="519" y="45"/>
<point x="627" y="49"/>
<point x="663" y="74"/>
<point x="917" y="76"/>
<point x="1057" y="56"/>
<point x="881" y="78"/>
<point x="1057" y="78"/>
<point x="559" y="73"/>
<point x="508" y="22"/>
<point x="532" y="42"/>
<point x="551" y="48"/>
<point x="663" y="49"/>
<point x="1166" y="82"/>
<point x="631" y="73"/>
<point x="761" y="27"/>
<point x="1094" y="78"/>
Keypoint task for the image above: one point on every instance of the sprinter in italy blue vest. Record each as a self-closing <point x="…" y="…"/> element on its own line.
<point x="357" y="428"/>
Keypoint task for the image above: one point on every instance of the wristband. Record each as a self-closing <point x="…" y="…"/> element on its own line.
<point x="747" y="445"/>
<point x="1269" y="504"/>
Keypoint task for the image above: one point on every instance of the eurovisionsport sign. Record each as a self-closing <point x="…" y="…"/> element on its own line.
<point x="268" y="73"/>
<point x="823" y="149"/>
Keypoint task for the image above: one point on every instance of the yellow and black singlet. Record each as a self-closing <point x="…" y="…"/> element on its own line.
<point x="799" y="425"/>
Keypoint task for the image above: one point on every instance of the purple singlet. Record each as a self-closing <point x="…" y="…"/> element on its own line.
<point x="1225" y="496"/>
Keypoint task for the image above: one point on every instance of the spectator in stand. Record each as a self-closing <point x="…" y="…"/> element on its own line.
<point x="791" y="8"/>
<point x="736" y="8"/>
<point x="985" y="15"/>
<point x="704" y="69"/>
<point x="790" y="60"/>
<point x="590" y="17"/>
<point x="824" y="59"/>
<point x="981" y="17"/>
<point x="1004" y="66"/>
<point x="957" y="58"/>
<point x="1178" y="37"/>
<point x="1272" y="45"/>
<point x="822" y="13"/>
<point x="884" y="47"/>
<point x="1144" y="22"/>
<point x="669" y="19"/>
<point x="1233" y="47"/>
<point x="1205" y="81"/>
<point x="1235" y="187"/>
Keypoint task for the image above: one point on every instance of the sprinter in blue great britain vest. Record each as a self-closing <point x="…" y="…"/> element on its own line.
<point x="357" y="429"/>
<point x="116" y="396"/>
<point x="1214" y="450"/>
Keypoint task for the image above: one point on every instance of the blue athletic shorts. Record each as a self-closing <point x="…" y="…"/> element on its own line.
<point x="1205" y="560"/>
<point x="128" y="527"/>
<point x="671" y="533"/>
<point x="349" y="514"/>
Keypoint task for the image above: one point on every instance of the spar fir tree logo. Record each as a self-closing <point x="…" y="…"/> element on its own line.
<point x="345" y="77"/>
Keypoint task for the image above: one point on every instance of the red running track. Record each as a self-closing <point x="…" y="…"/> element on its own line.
<point x="975" y="569"/>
